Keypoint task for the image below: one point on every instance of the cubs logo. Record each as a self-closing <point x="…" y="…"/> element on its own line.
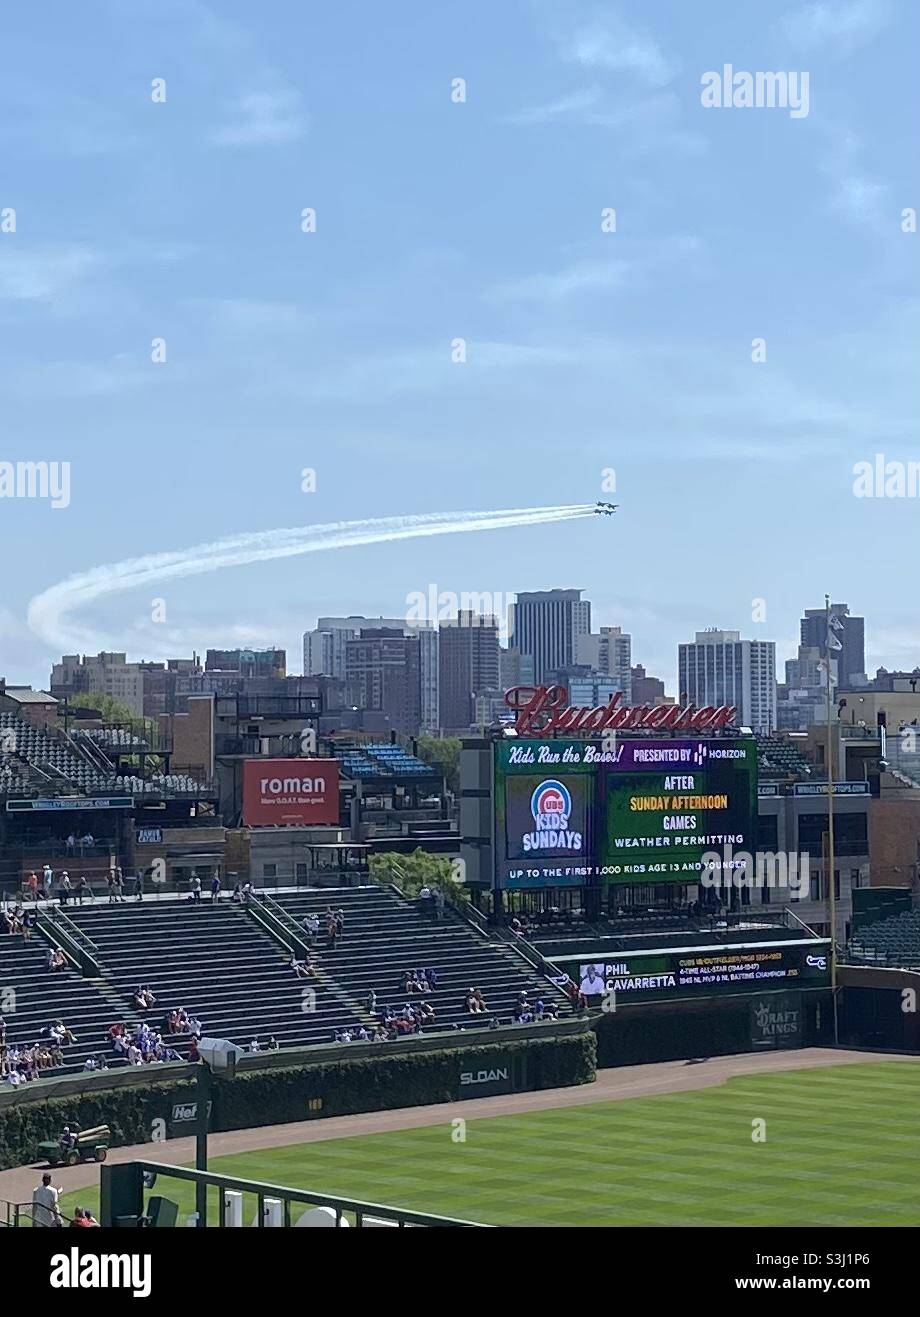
<point x="551" y="807"/>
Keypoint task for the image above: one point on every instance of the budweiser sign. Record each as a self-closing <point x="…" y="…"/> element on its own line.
<point x="544" y="709"/>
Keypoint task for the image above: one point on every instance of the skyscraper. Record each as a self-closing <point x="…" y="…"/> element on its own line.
<point x="468" y="666"/>
<point x="721" y="668"/>
<point x="324" y="651"/>
<point x="382" y="673"/>
<point x="851" y="657"/>
<point x="546" y="624"/>
<point x="610" y="653"/>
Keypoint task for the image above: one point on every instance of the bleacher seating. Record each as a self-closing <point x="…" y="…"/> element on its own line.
<point x="43" y="995"/>
<point x="892" y="941"/>
<point x="386" y="934"/>
<point x="778" y="758"/>
<point x="217" y="963"/>
<point x="60" y="761"/>
<point x="383" y="760"/>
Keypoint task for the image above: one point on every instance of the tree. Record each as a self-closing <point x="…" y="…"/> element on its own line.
<point x="411" y="873"/>
<point x="112" y="710"/>
<point x="442" y="752"/>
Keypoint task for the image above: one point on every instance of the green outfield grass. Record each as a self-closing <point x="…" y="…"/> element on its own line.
<point x="842" y="1148"/>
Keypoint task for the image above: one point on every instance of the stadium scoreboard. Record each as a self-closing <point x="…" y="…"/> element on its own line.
<point x="570" y="812"/>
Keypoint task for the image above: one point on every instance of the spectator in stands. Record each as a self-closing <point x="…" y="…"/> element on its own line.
<point x="56" y="959"/>
<point x="193" y="1024"/>
<point x="87" y="840"/>
<point x="28" y="923"/>
<point x="59" y="1031"/>
<point x="472" y="1002"/>
<point x="299" y="967"/>
<point x="111" y="885"/>
<point x="134" y="1054"/>
<point x="370" y="1002"/>
<point x="425" y="903"/>
<point x="432" y="976"/>
<point x="138" y="881"/>
<point x="45" y="1204"/>
<point x="379" y="1035"/>
<point x="273" y="1044"/>
<point x="66" y="891"/>
<point x="193" y="1053"/>
<point x="237" y="893"/>
<point x="143" y="998"/>
<point x="196" y="889"/>
<point x="477" y="993"/>
<point x="82" y="888"/>
<point x="12" y="914"/>
<point x="83" y="1217"/>
<point x="362" y="1035"/>
<point x="247" y="892"/>
<point x="427" y="1012"/>
<point x="71" y="843"/>
<point x="2" y="1032"/>
<point x="254" y="1046"/>
<point x="32" y="884"/>
<point x="215" y="888"/>
<point x="119" y="883"/>
<point x="311" y="928"/>
<point x="47" y="880"/>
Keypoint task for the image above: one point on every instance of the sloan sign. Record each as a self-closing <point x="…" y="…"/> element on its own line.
<point x="290" y="792"/>
<point x="544" y="709"/>
<point x="482" y="1075"/>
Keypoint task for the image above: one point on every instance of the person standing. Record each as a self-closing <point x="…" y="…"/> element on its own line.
<point x="47" y="880"/>
<point x="32" y="884"/>
<point x="66" y="890"/>
<point x="196" y="889"/>
<point x="46" y="1199"/>
<point x="215" y="888"/>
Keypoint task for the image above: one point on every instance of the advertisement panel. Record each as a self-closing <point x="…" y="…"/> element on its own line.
<point x="776" y="1021"/>
<point x="290" y="792"/>
<point x="570" y="812"/>
<point x="704" y="970"/>
<point x="484" y="1074"/>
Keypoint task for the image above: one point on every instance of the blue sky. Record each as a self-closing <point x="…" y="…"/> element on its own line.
<point x="479" y="220"/>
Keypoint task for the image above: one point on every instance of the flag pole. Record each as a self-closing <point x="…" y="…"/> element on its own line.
<point x="832" y="896"/>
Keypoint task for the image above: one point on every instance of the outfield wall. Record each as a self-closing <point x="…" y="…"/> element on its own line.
<point x="638" y="1033"/>
<point x="368" y="1079"/>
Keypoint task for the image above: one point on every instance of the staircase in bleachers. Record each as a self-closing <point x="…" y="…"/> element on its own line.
<point x="217" y="963"/>
<point x="385" y="935"/>
<point x="43" y="995"/>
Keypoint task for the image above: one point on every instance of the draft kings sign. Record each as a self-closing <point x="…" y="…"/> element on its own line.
<point x="569" y="812"/>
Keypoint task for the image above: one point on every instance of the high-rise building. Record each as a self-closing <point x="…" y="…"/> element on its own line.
<point x="516" y="669"/>
<point x="469" y="664"/>
<point x="585" y="686"/>
<point x="547" y="624"/>
<point x="645" y="689"/>
<point x="721" y="668"/>
<point x="383" y="675"/>
<point x="850" y="659"/>
<point x="610" y="653"/>
<point x="324" y="650"/>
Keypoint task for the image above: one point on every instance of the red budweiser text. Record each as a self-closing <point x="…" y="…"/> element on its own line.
<point x="543" y="709"/>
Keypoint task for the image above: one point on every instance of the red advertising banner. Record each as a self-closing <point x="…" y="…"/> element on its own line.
<point x="290" y="792"/>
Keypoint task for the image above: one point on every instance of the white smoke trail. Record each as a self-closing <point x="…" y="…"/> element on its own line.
<point x="49" y="612"/>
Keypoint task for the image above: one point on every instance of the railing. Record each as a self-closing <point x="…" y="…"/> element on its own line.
<point x="82" y="950"/>
<point x="289" y="1198"/>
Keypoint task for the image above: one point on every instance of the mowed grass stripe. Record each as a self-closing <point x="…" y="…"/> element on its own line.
<point x="841" y="1149"/>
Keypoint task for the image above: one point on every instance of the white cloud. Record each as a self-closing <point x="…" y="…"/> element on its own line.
<point x="840" y="27"/>
<point x="264" y="116"/>
<point x="608" y="42"/>
<point x="32" y="274"/>
<point x="574" y="105"/>
<point x="855" y="194"/>
<point x="594" y="276"/>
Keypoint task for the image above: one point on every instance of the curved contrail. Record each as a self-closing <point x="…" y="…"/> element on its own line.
<point x="48" y="612"/>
